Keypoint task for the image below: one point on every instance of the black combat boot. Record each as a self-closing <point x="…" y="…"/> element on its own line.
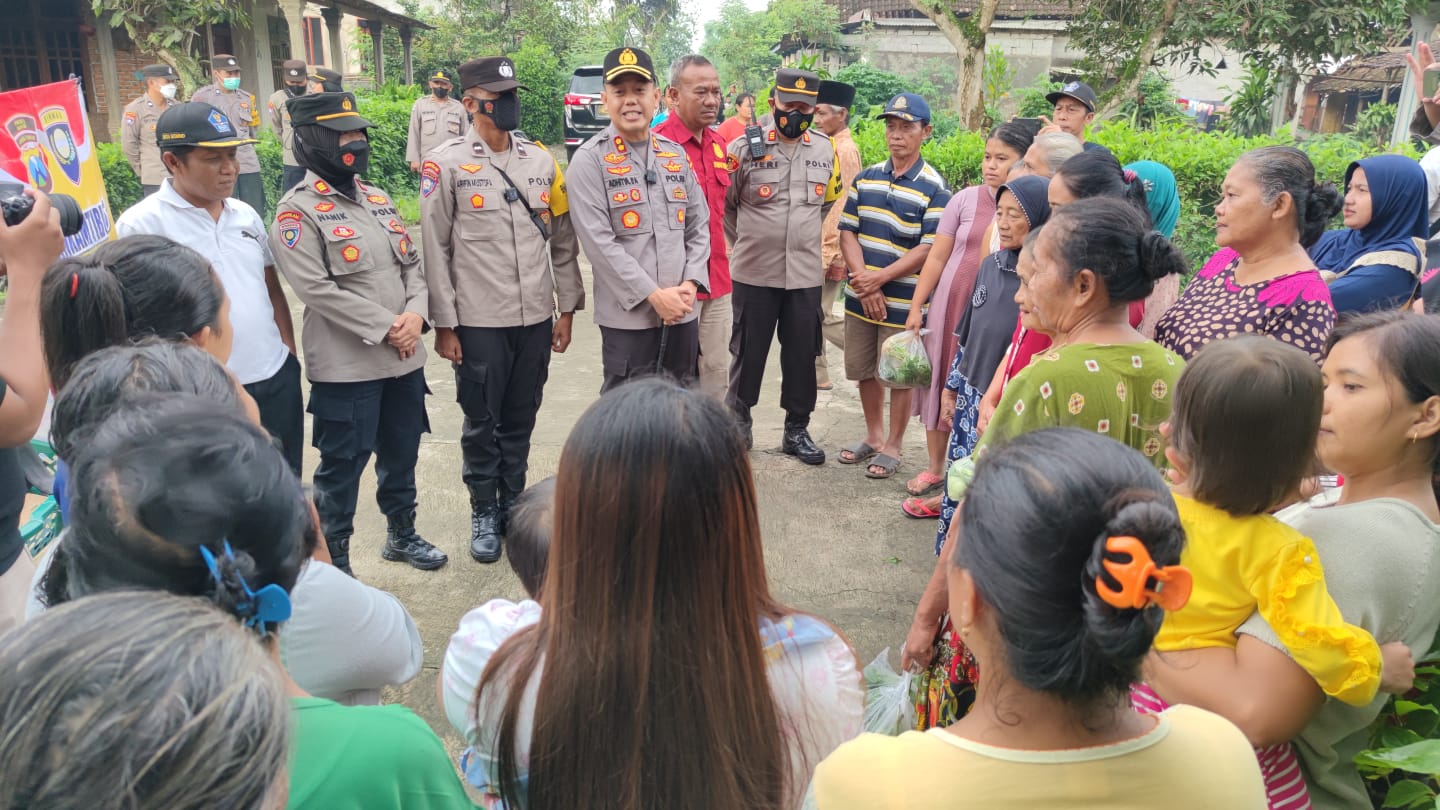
<point x="340" y="554"/>
<point x="485" y="519"/>
<point x="403" y="544"/>
<point x="798" y="442"/>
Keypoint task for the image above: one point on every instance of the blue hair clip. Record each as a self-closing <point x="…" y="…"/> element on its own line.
<point x="269" y="605"/>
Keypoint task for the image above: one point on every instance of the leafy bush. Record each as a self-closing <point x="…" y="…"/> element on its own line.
<point x="1374" y="123"/>
<point x="1251" y="102"/>
<point x="1032" y="101"/>
<point x="1403" y="762"/>
<point x="1154" y="104"/>
<point x="873" y="86"/>
<point x="122" y="187"/>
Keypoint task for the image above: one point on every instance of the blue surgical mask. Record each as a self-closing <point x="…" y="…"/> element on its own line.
<point x="232" y="83"/>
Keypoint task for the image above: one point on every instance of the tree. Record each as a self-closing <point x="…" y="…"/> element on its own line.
<point x="739" y="41"/>
<point x="969" y="34"/>
<point x="170" y="29"/>
<point x="1123" y="38"/>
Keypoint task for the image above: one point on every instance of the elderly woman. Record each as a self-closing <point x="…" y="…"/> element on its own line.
<point x="1379" y="429"/>
<point x="1261" y="281"/>
<point x="1050" y="151"/>
<point x="1374" y="262"/>
<point x="1058" y="526"/>
<point x="1092" y="259"/>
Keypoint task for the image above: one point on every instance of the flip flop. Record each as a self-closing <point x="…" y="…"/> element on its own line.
<point x="885" y="462"/>
<point x="859" y="452"/>
<point x="916" y="508"/>
<point x="928" y="483"/>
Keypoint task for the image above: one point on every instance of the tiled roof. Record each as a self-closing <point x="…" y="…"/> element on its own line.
<point x="1008" y="9"/>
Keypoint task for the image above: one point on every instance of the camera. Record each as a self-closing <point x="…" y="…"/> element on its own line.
<point x="15" y="206"/>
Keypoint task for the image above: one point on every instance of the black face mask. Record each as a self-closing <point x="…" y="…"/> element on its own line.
<point x="440" y="92"/>
<point x="337" y="165"/>
<point x="294" y="90"/>
<point x="503" y="112"/>
<point x="793" y="124"/>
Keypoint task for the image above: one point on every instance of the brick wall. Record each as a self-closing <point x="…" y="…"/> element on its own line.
<point x="128" y="62"/>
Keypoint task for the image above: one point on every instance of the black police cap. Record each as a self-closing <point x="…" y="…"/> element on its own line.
<point x="195" y="123"/>
<point x="628" y="60"/>
<point x="493" y="73"/>
<point x="335" y="111"/>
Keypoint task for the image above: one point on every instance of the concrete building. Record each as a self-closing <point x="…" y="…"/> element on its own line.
<point x="46" y="41"/>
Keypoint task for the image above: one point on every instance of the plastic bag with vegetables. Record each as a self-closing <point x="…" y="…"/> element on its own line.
<point x="903" y="361"/>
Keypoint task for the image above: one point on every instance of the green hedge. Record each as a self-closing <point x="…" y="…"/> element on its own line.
<point x="388" y="109"/>
<point x="1199" y="160"/>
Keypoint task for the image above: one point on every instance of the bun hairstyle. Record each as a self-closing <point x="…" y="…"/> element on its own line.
<point x="1278" y="169"/>
<point x="1407" y="348"/>
<point x="1017" y="135"/>
<point x="164" y="476"/>
<point x="105" y="378"/>
<point x="138" y="286"/>
<point x="1114" y="240"/>
<point x="1035" y="524"/>
<point x="1098" y="174"/>
<point x="150" y="700"/>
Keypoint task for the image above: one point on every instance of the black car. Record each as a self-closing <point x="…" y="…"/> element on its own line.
<point x="584" y="111"/>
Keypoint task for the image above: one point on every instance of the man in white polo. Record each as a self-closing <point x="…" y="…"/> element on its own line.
<point x="194" y="207"/>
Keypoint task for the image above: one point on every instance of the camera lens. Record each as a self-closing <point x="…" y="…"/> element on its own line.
<point x="70" y="217"/>
<point x="15" y="207"/>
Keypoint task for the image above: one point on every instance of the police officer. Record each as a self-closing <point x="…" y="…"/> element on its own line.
<point x="239" y="106"/>
<point x="642" y="220"/>
<point x="434" y="119"/>
<point x="348" y="257"/>
<point x="325" y="80"/>
<point x="490" y="202"/>
<point x="780" y="192"/>
<point x="295" y="75"/>
<point x="137" y="133"/>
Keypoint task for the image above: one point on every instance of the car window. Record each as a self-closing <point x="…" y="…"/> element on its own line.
<point x="588" y="84"/>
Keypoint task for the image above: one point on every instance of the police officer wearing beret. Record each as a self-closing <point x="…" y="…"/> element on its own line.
<point x="239" y="106"/>
<point x="434" y="119"/>
<point x="137" y="133"/>
<point x="494" y="219"/>
<point x="780" y="191"/>
<point x="294" y="73"/>
<point x="643" y="222"/>
<point x="349" y="258"/>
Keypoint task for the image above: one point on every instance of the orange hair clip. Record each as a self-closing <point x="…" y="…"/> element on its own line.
<point x="1172" y="582"/>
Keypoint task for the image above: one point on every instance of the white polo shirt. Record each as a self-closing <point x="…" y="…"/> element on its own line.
<point x="239" y="250"/>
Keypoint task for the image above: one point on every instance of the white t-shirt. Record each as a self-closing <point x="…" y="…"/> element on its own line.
<point x="816" y="683"/>
<point x="239" y="250"/>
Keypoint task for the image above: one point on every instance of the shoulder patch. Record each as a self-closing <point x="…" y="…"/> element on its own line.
<point x="429" y="177"/>
<point x="290" y="227"/>
<point x="732" y="164"/>
<point x="131" y="117"/>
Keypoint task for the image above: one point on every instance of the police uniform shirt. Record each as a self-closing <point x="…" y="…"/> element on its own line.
<point x="486" y="262"/>
<point x="137" y="139"/>
<point x="639" y="236"/>
<point x="240" y="108"/>
<point x="357" y="269"/>
<point x="280" y="122"/>
<point x="775" y="210"/>
<point x="432" y="123"/>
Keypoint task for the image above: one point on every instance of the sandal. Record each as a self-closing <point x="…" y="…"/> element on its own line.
<point x="887" y="463"/>
<point x="859" y="451"/>
<point x="917" y="508"/>
<point x="924" y="483"/>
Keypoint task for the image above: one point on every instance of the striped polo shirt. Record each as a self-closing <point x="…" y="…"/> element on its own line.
<point x="891" y="214"/>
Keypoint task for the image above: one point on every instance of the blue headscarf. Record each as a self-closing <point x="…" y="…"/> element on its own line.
<point x="1399" y="208"/>
<point x="1162" y="195"/>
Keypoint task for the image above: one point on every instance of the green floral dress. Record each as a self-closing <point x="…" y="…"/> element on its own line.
<point x="1123" y="391"/>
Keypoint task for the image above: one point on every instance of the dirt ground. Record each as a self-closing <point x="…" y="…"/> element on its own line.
<point x="836" y="543"/>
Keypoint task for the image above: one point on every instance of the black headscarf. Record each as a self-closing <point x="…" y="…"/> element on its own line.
<point x="317" y="148"/>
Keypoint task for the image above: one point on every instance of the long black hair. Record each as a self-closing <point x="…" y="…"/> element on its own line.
<point x="1114" y="240"/>
<point x="138" y="286"/>
<point x="1098" y="174"/>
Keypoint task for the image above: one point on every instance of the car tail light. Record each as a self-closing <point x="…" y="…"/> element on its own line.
<point x="577" y="100"/>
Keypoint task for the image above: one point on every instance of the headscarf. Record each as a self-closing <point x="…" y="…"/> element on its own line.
<point x="1399" y="207"/>
<point x="317" y="148"/>
<point x="1162" y="196"/>
<point x="1033" y="193"/>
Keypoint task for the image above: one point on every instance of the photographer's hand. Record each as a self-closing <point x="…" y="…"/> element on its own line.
<point x="27" y="249"/>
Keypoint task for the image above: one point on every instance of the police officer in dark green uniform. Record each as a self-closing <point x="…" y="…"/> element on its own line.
<point x="347" y="255"/>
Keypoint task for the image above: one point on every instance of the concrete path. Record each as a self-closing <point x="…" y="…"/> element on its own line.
<point x="836" y="542"/>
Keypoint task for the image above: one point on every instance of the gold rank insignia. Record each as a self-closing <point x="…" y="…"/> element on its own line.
<point x="477" y="201"/>
<point x="667" y="154"/>
<point x="471" y="167"/>
<point x="719" y="153"/>
<point x="378" y="199"/>
<point x="325" y="207"/>
<point x="619" y="170"/>
<point x="673" y="166"/>
<point x="614" y="157"/>
<point x="322" y="187"/>
<point x="630" y="220"/>
<point x="350" y="254"/>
